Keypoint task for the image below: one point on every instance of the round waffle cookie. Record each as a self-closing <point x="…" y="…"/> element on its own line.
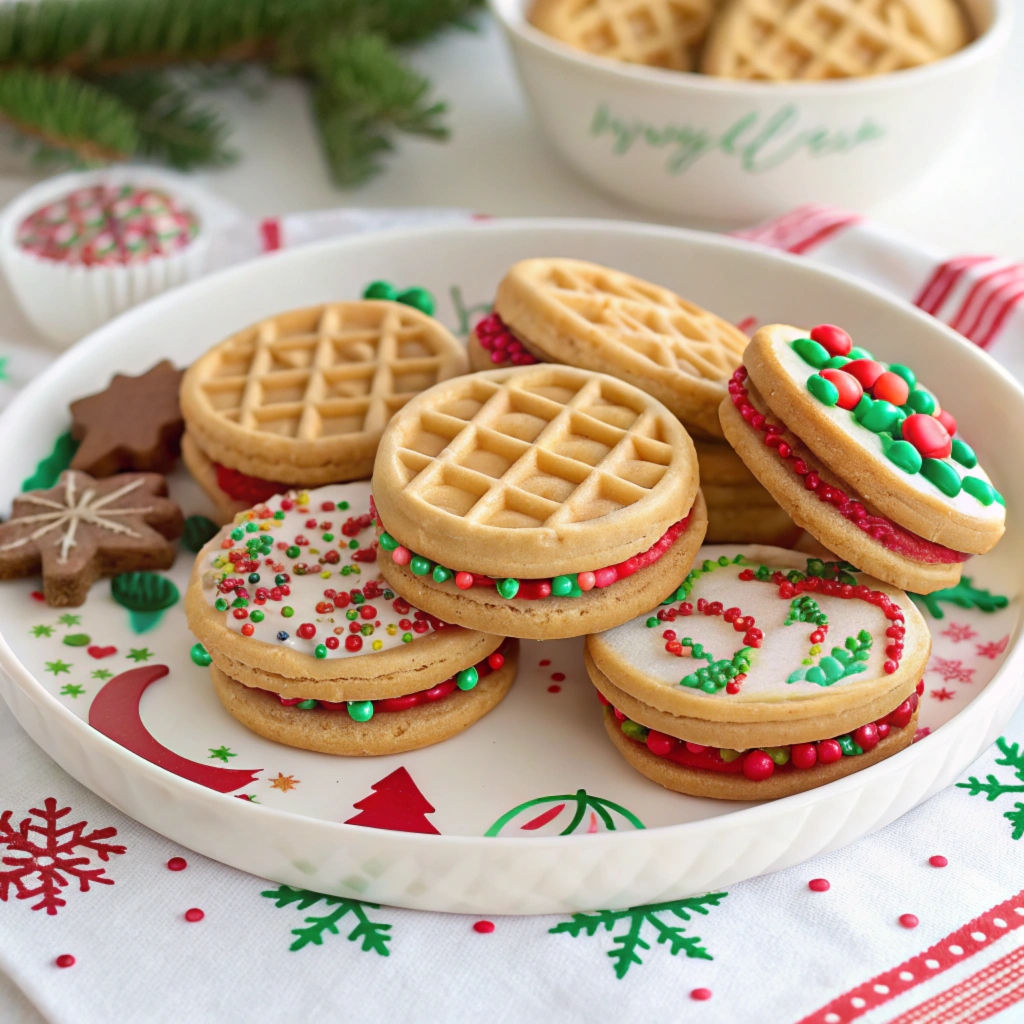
<point x="301" y="398"/>
<point x="309" y="646"/>
<point x="659" y="33"/>
<point x="740" y="510"/>
<point x="585" y="315"/>
<point x="768" y="673"/>
<point x="809" y="40"/>
<point x="538" y="502"/>
<point x="862" y="456"/>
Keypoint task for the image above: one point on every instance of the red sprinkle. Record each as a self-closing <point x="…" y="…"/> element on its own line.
<point x="819" y="885"/>
<point x="701" y="994"/>
<point x="909" y="920"/>
<point x="558" y="676"/>
<point x="554" y="688"/>
<point x="177" y="864"/>
<point x="65" y="960"/>
<point x="938" y="861"/>
<point x="194" y="914"/>
<point x="484" y="927"/>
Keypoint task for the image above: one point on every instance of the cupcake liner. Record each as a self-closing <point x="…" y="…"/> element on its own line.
<point x="63" y="301"/>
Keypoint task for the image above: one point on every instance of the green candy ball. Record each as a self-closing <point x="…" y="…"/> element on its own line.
<point x="561" y="586"/>
<point x="418" y="298"/>
<point x="200" y="655"/>
<point x="881" y="415"/>
<point x="441" y="574"/>
<point x="380" y="290"/>
<point x="360" y="710"/>
<point x="387" y="542"/>
<point x="824" y="390"/>
<point x="920" y="400"/>
<point x="467" y="678"/>
<point x="420" y="565"/>
<point x="320" y="651"/>
<point x="307" y="705"/>
<point x="811" y="352"/>
<point x="508" y="588"/>
<point x="943" y="475"/>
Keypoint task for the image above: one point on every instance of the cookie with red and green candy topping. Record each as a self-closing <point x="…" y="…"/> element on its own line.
<point x="765" y="674"/>
<point x="308" y="645"/>
<point x="862" y="456"/>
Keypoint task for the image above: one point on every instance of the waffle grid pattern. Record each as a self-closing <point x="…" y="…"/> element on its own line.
<point x="339" y="370"/>
<point x="653" y="322"/>
<point x="522" y="454"/>
<point x="659" y="33"/>
<point x="787" y="40"/>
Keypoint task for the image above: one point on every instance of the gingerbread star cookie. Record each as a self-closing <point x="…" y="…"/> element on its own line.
<point x="85" y="528"/>
<point x="135" y="424"/>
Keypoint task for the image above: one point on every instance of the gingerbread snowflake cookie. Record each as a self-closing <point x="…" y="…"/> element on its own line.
<point x="85" y="528"/>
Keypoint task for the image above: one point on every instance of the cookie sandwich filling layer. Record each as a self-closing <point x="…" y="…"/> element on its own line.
<point x="763" y="762"/>
<point x="499" y="341"/>
<point x="568" y="585"/>
<point x="290" y="573"/>
<point x="364" y="710"/>
<point x="798" y="458"/>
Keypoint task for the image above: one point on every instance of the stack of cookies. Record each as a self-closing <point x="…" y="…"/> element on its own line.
<point x="761" y="40"/>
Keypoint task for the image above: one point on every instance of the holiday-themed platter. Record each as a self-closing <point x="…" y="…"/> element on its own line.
<point x="531" y="810"/>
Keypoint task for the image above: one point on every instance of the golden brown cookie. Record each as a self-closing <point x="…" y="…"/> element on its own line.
<point x="287" y="603"/>
<point x="301" y="398"/>
<point x="765" y="663"/>
<point x="813" y="40"/>
<point x="536" y="486"/>
<point x="862" y="456"/>
<point x="599" y="319"/>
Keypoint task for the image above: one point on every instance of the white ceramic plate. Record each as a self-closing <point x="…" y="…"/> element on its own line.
<point x="539" y="748"/>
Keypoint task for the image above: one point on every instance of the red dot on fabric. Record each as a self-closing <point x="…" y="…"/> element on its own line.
<point x="484" y="927"/>
<point x="38" y="595"/>
<point x="819" y="885"/>
<point x="938" y="861"/>
<point x="65" y="960"/>
<point x="194" y="914"/>
<point x="554" y="688"/>
<point x="177" y="864"/>
<point x="558" y="676"/>
<point x="545" y="663"/>
<point x="701" y="994"/>
<point x="909" y="920"/>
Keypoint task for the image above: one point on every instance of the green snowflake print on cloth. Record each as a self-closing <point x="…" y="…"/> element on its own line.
<point x="372" y="934"/>
<point x="992" y="788"/>
<point x="629" y="942"/>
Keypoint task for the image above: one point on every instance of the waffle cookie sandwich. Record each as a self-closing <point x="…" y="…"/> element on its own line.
<point x="584" y="315"/>
<point x="539" y="502"/>
<point x="862" y="456"/>
<point x="308" y="646"/>
<point x="768" y="673"/>
<point x="740" y="510"/>
<point x="300" y="399"/>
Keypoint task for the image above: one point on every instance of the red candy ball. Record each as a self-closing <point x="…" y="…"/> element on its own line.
<point x="867" y="371"/>
<point x="495" y="661"/>
<point x="901" y="717"/>
<point x="866" y="737"/>
<point x="829" y="751"/>
<point x="353" y="643"/>
<point x="847" y="385"/>
<point x="660" y="744"/>
<point x="307" y="631"/>
<point x="947" y="420"/>
<point x="463" y="580"/>
<point x="891" y="387"/>
<point x="928" y="436"/>
<point x="758" y="766"/>
<point x="803" y="755"/>
<point x="834" y="340"/>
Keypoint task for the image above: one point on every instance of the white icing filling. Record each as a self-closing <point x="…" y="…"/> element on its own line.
<point x="783" y="648"/>
<point x="308" y="590"/>
<point x="871" y="443"/>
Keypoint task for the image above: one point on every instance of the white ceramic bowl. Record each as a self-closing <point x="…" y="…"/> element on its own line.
<point x="715" y="150"/>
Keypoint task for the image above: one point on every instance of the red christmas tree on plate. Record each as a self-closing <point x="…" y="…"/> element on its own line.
<point x="396" y="804"/>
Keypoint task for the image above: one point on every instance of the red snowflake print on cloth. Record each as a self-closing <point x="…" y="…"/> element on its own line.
<point x="952" y="670"/>
<point x="39" y="860"/>
<point x="943" y="694"/>
<point x="993" y="648"/>
<point x="957" y="631"/>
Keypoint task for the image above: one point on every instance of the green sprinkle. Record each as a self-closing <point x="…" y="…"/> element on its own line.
<point x="251" y="527"/>
<point x="307" y="705"/>
<point x="811" y="352"/>
<point x="237" y="534"/>
<point x="780" y="755"/>
<point x="879" y="416"/>
<point x="293" y="552"/>
<point x="860" y="353"/>
<point x="360" y="710"/>
<point x="974" y="486"/>
<point x="256" y="615"/>
<point x="343" y="505"/>
<point x="561" y="586"/>
<point x="467" y="678"/>
<point x="921" y="401"/>
<point x="508" y="588"/>
<point x="904" y="455"/>
<point x="651" y="622"/>
<point x="943" y="475"/>
<point x="279" y="515"/>
<point x="81" y="639"/>
<point x="690" y="680"/>
<point x="200" y="655"/>
<point x="906" y="373"/>
<point x="420" y="565"/>
<point x="824" y="390"/>
<point x="287" y="611"/>
<point x="387" y="542"/>
<point x="836" y="363"/>
<point x="320" y="651"/>
<point x="407" y="638"/>
<point x="380" y="290"/>
<point x="964" y="453"/>
<point x="328" y="537"/>
<point x="418" y="298"/>
<point x="441" y="574"/>
<point x="281" y="579"/>
<point x="635" y="731"/>
<point x="220" y="604"/>
<point x="353" y="544"/>
<point x="728" y="756"/>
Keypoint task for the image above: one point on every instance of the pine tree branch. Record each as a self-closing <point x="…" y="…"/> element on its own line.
<point x="1013" y="756"/>
<point x="992" y="788"/>
<point x="68" y="114"/>
<point x="171" y="127"/>
<point x="1016" y="818"/>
